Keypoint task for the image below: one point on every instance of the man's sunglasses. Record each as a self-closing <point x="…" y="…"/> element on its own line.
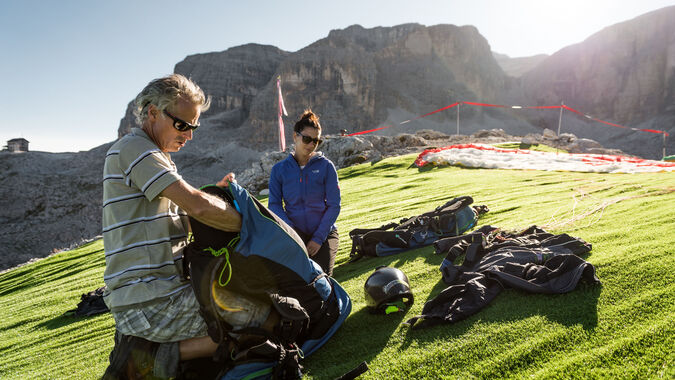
<point x="307" y="139"/>
<point x="181" y="125"/>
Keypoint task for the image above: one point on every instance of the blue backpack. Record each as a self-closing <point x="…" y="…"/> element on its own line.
<point x="266" y="262"/>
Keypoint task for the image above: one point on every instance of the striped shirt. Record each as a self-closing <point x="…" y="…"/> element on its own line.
<point x="143" y="233"/>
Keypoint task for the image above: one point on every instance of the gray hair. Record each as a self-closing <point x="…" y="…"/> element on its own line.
<point x="165" y="92"/>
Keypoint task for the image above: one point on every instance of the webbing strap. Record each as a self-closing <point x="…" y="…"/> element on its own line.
<point x="227" y="265"/>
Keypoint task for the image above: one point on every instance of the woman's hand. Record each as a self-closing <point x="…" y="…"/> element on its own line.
<point x="313" y="248"/>
<point x="225" y="182"/>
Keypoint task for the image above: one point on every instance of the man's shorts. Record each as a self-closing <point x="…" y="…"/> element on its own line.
<point x="172" y="319"/>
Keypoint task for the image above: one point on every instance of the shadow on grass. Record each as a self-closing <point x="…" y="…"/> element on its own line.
<point x="347" y="271"/>
<point x="350" y="346"/>
<point x="374" y="168"/>
<point x="44" y="270"/>
<point x="64" y="320"/>
<point x="21" y="323"/>
<point x="56" y="273"/>
<point x="578" y="307"/>
<point x="58" y="322"/>
<point x="427" y="168"/>
<point x="439" y="287"/>
<point x="423" y="169"/>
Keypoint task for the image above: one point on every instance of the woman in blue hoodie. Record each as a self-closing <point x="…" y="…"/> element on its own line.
<point x="304" y="192"/>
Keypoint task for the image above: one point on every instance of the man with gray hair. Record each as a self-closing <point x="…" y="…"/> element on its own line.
<point x="146" y="205"/>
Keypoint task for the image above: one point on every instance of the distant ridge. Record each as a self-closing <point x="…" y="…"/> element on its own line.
<point x="518" y="66"/>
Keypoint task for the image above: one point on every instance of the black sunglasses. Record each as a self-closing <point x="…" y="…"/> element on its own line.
<point x="307" y="139"/>
<point x="181" y="125"/>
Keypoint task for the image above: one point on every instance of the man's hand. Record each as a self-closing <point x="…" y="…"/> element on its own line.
<point x="225" y="182"/>
<point x="313" y="248"/>
<point x="204" y="207"/>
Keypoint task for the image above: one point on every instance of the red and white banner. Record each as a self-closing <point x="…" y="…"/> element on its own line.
<point x="282" y="111"/>
<point x="489" y="157"/>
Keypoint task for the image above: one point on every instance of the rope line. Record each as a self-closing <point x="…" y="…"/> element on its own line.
<point x="596" y="210"/>
<point x="562" y="106"/>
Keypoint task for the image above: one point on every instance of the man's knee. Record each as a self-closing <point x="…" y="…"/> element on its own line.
<point x="197" y="348"/>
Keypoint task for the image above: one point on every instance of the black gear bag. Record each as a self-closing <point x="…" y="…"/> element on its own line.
<point x="451" y="219"/>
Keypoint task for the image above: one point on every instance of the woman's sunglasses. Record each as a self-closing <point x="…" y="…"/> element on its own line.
<point x="307" y="139"/>
<point x="181" y="125"/>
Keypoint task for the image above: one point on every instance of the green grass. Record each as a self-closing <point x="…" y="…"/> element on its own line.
<point x="624" y="328"/>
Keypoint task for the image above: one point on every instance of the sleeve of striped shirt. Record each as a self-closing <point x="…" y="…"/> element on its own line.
<point x="147" y="169"/>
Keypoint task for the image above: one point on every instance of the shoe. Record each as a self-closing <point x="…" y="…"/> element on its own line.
<point x="132" y="358"/>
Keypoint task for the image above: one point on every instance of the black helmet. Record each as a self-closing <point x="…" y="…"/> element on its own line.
<point x="388" y="290"/>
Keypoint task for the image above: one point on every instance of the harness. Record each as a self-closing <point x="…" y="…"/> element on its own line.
<point x="450" y="219"/>
<point x="264" y="264"/>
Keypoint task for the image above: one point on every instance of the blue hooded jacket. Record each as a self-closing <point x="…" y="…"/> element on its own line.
<point x="311" y="195"/>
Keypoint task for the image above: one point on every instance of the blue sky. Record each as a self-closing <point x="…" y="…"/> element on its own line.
<point x="70" y="67"/>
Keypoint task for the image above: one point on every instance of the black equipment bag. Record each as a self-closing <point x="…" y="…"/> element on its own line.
<point x="451" y="219"/>
<point x="265" y="263"/>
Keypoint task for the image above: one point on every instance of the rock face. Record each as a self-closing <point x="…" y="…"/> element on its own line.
<point x="518" y="66"/>
<point x="354" y="79"/>
<point x="49" y="201"/>
<point x="624" y="74"/>
<point x="233" y="78"/>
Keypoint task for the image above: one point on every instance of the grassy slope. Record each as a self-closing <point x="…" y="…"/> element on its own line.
<point x="623" y="328"/>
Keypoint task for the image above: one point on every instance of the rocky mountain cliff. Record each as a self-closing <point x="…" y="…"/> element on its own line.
<point x="624" y="74"/>
<point x="518" y="66"/>
<point x="49" y="201"/>
<point x="355" y="79"/>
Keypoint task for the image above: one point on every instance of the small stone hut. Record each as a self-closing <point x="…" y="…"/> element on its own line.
<point x="17" y="145"/>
